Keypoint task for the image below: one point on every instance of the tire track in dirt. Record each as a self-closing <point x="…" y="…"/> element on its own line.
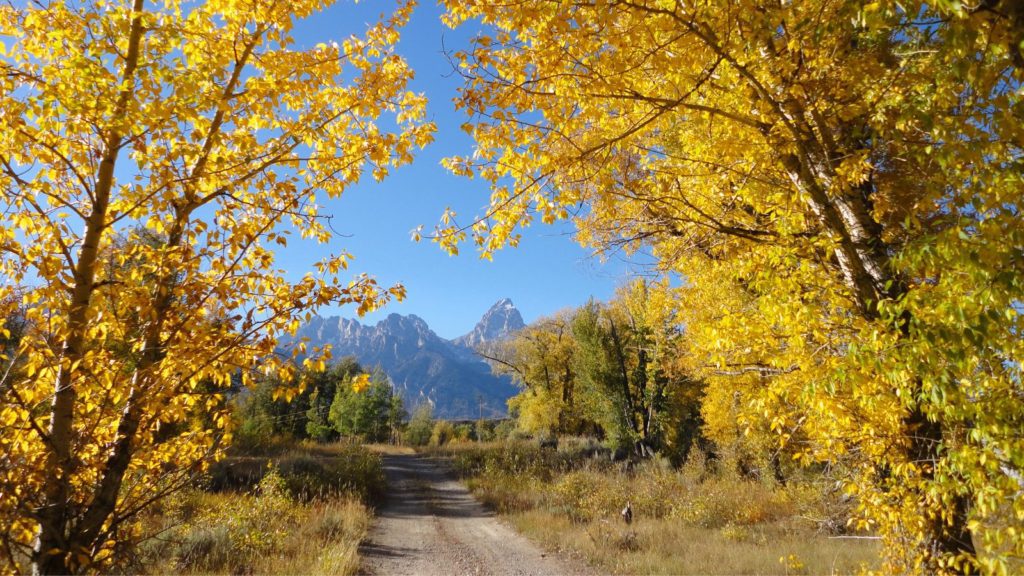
<point x="431" y="524"/>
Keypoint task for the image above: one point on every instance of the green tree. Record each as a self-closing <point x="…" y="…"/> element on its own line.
<point x="322" y="387"/>
<point x="366" y="413"/>
<point x="421" y="425"/>
<point x="317" y="424"/>
<point x="623" y="362"/>
<point x="259" y="414"/>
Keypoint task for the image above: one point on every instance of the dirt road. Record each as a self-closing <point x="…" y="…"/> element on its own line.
<point x="431" y="524"/>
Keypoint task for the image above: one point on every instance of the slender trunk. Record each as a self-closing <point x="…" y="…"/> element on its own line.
<point x="645" y="405"/>
<point x="567" y="402"/>
<point x="52" y="549"/>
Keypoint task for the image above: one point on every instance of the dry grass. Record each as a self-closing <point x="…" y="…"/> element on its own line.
<point x="389" y="449"/>
<point x="241" y="534"/>
<point x="281" y="526"/>
<point x="688" y="521"/>
<point x="668" y="546"/>
<point x="310" y="471"/>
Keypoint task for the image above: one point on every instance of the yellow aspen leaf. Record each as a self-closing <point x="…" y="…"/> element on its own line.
<point x="360" y="383"/>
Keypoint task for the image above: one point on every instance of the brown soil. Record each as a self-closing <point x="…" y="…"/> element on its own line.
<point x="431" y="524"/>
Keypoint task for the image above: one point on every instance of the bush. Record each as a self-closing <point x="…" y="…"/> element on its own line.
<point x="234" y="535"/>
<point x="504" y="429"/>
<point x="343" y="520"/>
<point x="580" y="481"/>
<point x="696" y="519"/>
<point x="264" y="531"/>
<point x="464" y="433"/>
<point x="421" y="425"/>
<point x="443" y="433"/>
<point x="308" y="471"/>
<point x="253" y="432"/>
<point x="483" y="431"/>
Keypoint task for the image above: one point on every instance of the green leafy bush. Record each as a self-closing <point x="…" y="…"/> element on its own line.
<point x="443" y="433"/>
<point x="421" y="426"/>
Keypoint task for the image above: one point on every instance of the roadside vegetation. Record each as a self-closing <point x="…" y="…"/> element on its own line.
<point x="293" y="493"/>
<point x="295" y="508"/>
<point x="701" y="518"/>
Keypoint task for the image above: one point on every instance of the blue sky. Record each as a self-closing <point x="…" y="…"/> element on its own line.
<point x="547" y="272"/>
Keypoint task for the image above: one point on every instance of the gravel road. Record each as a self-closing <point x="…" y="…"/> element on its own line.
<point x="431" y="524"/>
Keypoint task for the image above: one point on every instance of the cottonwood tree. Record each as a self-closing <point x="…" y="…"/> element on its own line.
<point x="204" y="126"/>
<point x="540" y="359"/>
<point x="615" y="368"/>
<point x="840" y="184"/>
<point x="626" y="359"/>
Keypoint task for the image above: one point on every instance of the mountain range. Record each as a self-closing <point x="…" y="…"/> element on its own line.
<point x="423" y="366"/>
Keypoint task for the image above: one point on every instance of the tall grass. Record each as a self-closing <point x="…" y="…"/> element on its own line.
<point x="693" y="520"/>
<point x="300" y="511"/>
<point x="309" y="470"/>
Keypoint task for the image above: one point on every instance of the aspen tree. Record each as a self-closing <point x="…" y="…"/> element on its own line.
<point x="200" y="135"/>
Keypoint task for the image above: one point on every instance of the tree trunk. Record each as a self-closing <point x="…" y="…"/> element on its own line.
<point x="946" y="538"/>
<point x="864" y="263"/>
<point x="53" y="549"/>
<point x="627" y="398"/>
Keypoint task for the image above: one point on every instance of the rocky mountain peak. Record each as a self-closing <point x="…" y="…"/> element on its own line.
<point x="411" y="323"/>
<point x="499" y="321"/>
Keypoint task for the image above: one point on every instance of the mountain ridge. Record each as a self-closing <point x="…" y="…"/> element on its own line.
<point x="423" y="366"/>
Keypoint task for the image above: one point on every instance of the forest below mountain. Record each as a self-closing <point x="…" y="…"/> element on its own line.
<point x="422" y="366"/>
<point x="826" y="196"/>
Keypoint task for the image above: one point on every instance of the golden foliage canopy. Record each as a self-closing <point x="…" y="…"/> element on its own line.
<point x="839" y="183"/>
<point x="152" y="157"/>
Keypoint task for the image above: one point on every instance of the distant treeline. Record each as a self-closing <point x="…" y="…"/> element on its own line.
<point x="346" y="400"/>
<point x="340" y="400"/>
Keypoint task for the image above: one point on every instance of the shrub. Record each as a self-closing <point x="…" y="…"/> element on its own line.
<point x="420" y="426"/>
<point x="232" y="536"/>
<point x="585" y="496"/>
<point x="694" y="519"/>
<point x="579" y="481"/>
<point x="341" y="520"/>
<point x="464" y="433"/>
<point x="309" y="471"/>
<point x="484" y="431"/>
<point x="443" y="433"/>
<point x="504" y="429"/>
<point x="263" y="531"/>
<point x="205" y="548"/>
